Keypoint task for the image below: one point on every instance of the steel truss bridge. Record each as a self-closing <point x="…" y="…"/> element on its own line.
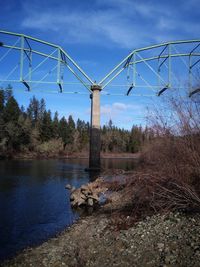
<point x="151" y="70"/>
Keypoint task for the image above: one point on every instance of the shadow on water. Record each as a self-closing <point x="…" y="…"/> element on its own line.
<point x="34" y="204"/>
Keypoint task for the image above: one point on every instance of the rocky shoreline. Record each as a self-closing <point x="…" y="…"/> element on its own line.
<point x="161" y="240"/>
<point x="167" y="239"/>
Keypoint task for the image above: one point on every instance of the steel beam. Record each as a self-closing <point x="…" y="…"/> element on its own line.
<point x="74" y="68"/>
<point x="194" y="92"/>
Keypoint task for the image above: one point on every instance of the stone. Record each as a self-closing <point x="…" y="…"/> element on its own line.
<point x="68" y="186"/>
<point x="77" y="202"/>
<point x="84" y="187"/>
<point x="94" y="197"/>
<point x="73" y="188"/>
<point x="83" y="197"/>
<point x="77" y="198"/>
<point x="87" y="192"/>
<point x="81" y="202"/>
<point x="72" y="198"/>
<point x="90" y="202"/>
<point x="161" y="246"/>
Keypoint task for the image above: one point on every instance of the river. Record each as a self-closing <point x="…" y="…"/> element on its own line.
<point x="34" y="204"/>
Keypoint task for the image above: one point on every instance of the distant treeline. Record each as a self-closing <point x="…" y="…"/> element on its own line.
<point x="36" y="130"/>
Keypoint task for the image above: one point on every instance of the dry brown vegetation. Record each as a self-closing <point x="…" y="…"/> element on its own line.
<point x="169" y="174"/>
<point x="175" y="151"/>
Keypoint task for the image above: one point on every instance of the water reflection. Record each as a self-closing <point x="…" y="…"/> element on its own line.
<point x="126" y="164"/>
<point x="34" y="204"/>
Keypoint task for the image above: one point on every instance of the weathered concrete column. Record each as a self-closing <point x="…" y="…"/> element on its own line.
<point x="95" y="138"/>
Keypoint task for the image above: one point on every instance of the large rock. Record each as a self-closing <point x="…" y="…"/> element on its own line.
<point x="77" y="198"/>
<point x="87" y="195"/>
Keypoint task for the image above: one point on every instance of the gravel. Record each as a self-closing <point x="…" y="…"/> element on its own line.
<point x="165" y="240"/>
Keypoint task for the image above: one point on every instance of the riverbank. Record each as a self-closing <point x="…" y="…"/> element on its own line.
<point x="161" y="240"/>
<point x="117" y="235"/>
<point x="75" y="155"/>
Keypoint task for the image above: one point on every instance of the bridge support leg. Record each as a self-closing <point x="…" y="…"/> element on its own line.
<point x="95" y="138"/>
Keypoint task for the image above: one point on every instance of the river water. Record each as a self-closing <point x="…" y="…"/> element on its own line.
<point x="34" y="204"/>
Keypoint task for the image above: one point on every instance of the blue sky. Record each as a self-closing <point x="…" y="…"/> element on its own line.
<point x="98" y="34"/>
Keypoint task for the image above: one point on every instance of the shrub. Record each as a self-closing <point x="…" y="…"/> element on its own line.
<point x="52" y="146"/>
<point x="170" y="174"/>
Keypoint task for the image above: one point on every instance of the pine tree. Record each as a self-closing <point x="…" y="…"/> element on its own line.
<point x="46" y="127"/>
<point x="24" y="131"/>
<point x="2" y="123"/>
<point x="63" y="131"/>
<point x="11" y="110"/>
<point x="41" y="109"/>
<point x="55" y="125"/>
<point x="2" y="101"/>
<point x="136" y="137"/>
<point x="110" y="124"/>
<point x="8" y="92"/>
<point x="83" y="133"/>
<point x="33" y="110"/>
<point x="70" y="130"/>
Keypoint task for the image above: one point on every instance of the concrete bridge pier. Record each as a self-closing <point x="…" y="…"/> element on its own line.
<point x="95" y="138"/>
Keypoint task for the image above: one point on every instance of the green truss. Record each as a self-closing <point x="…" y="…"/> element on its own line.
<point x="162" y="53"/>
<point x="62" y="58"/>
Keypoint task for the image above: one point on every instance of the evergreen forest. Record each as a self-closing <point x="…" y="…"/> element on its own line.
<point x="35" y="131"/>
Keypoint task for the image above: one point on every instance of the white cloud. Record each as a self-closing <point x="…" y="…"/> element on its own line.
<point x="123" y="115"/>
<point x="106" y="110"/>
<point x="118" y="108"/>
<point x="125" y="23"/>
<point x="113" y="109"/>
<point x="88" y="27"/>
